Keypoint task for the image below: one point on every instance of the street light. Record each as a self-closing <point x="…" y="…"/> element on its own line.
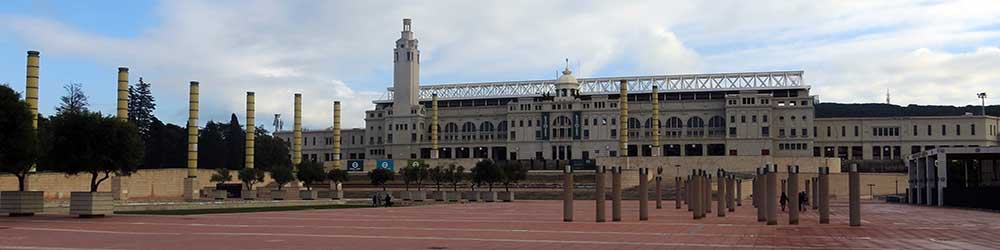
<point x="982" y="96"/>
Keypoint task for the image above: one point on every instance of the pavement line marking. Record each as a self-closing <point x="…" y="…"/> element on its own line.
<point x="52" y="248"/>
<point x="86" y="231"/>
<point x="521" y="241"/>
<point x="696" y="229"/>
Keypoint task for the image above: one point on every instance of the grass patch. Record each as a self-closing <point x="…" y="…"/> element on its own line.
<point x="240" y="209"/>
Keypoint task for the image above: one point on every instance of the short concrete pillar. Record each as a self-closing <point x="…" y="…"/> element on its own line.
<point x="720" y="196"/>
<point x="739" y="192"/>
<point x="643" y="194"/>
<point x="854" y="180"/>
<point x="677" y="192"/>
<point x="616" y="193"/>
<point x="659" y="188"/>
<point x="815" y="194"/>
<point x="759" y="196"/>
<point x="824" y="195"/>
<point x="191" y="192"/>
<point x="771" y="199"/>
<point x="707" y="192"/>
<point x="119" y="187"/>
<point x="695" y="205"/>
<point x="793" y="195"/>
<point x="731" y="193"/>
<point x="568" y="193"/>
<point x="600" y="193"/>
<point x="688" y="192"/>
<point x="809" y="192"/>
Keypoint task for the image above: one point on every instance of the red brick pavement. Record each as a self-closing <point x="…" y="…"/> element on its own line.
<point x="517" y="225"/>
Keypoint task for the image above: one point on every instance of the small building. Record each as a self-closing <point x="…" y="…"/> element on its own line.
<point x="961" y="177"/>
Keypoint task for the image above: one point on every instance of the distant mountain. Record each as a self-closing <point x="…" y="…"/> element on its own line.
<point x="832" y="110"/>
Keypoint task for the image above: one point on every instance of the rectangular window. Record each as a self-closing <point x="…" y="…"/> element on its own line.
<point x="765" y="131"/>
<point x="793" y="132"/>
<point x="828" y="132"/>
<point x="614" y="133"/>
<point x="743" y="119"/>
<point x="805" y="132"/>
<point x="732" y="119"/>
<point x="929" y="130"/>
<point x="914" y="130"/>
<point x="764" y="118"/>
<point x="843" y="131"/>
<point x="972" y="128"/>
<point x="958" y="129"/>
<point x="781" y="133"/>
<point x="753" y="118"/>
<point x="857" y="131"/>
<point x="732" y="132"/>
<point x="944" y="130"/>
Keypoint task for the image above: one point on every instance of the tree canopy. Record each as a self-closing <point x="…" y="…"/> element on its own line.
<point x="486" y="171"/>
<point x="18" y="140"/>
<point x="88" y="142"/>
<point x="282" y="176"/>
<point x="310" y="172"/>
<point x="379" y="176"/>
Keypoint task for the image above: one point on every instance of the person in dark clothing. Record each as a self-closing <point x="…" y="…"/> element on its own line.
<point x="388" y="200"/>
<point x="376" y="199"/>
<point x="803" y="199"/>
<point x="784" y="200"/>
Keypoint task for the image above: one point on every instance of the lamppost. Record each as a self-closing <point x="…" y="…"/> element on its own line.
<point x="982" y="96"/>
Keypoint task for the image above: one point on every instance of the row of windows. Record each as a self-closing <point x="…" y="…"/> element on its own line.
<point x="793" y="146"/>
<point x="895" y="131"/>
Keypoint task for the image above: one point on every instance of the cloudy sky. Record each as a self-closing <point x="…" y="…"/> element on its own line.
<point x="923" y="52"/>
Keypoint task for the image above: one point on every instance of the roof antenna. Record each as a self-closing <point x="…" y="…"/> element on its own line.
<point x="888" y="99"/>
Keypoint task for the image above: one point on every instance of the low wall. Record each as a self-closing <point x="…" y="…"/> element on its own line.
<point x="739" y="164"/>
<point x="143" y="184"/>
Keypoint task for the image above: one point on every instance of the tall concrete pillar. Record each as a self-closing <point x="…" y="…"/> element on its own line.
<point x="793" y="195"/>
<point x="689" y="192"/>
<point x="696" y="196"/>
<point x="616" y="193"/>
<point x="251" y="131"/>
<point x="191" y="182"/>
<point x="720" y="196"/>
<point x="31" y="96"/>
<point x="854" y="181"/>
<point x="643" y="194"/>
<point x="731" y="193"/>
<point x="739" y="192"/>
<point x="659" y="188"/>
<point x="815" y="194"/>
<point x="656" y="151"/>
<point x="119" y="184"/>
<point x="435" y="148"/>
<point x="599" y="192"/>
<point x="568" y="193"/>
<point x="759" y="195"/>
<point x="297" y="132"/>
<point x="771" y="181"/>
<point x="623" y="119"/>
<point x="677" y="192"/>
<point x="824" y="195"/>
<point x="336" y="136"/>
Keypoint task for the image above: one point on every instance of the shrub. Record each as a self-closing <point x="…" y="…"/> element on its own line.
<point x="337" y="175"/>
<point x="221" y="175"/>
<point x="438" y="175"/>
<point x="513" y="172"/>
<point x="486" y="171"/>
<point x="380" y="176"/>
<point x="456" y="175"/>
<point x="282" y="175"/>
<point x="250" y="177"/>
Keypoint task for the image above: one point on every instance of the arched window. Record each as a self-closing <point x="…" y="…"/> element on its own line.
<point x="696" y="127"/>
<point x="562" y="127"/>
<point x="450" y="131"/>
<point x="486" y="130"/>
<point x="502" y="130"/>
<point x="717" y="126"/>
<point x="633" y="123"/>
<point x="673" y="127"/>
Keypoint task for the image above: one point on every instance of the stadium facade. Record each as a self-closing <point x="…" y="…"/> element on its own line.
<point x="768" y="114"/>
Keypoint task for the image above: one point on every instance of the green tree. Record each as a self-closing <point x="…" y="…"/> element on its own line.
<point x="250" y="177"/>
<point x="18" y="140"/>
<point x="513" y="172"/>
<point x="416" y="174"/>
<point x="233" y="137"/>
<point x="380" y="176"/>
<point x="486" y="171"/>
<point x="337" y="175"/>
<point x="166" y="146"/>
<point x="221" y="176"/>
<point x="74" y="101"/>
<point x="457" y="175"/>
<point x="282" y="176"/>
<point x="211" y="146"/>
<point x="87" y="142"/>
<point x="438" y="175"/>
<point x="269" y="151"/>
<point x="141" y="105"/>
<point x="310" y="172"/>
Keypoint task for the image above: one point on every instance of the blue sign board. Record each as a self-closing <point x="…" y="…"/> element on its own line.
<point x="355" y="166"/>
<point x="385" y="164"/>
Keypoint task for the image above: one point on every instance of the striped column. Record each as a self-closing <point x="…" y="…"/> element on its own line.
<point x="336" y="135"/>
<point x="297" y="132"/>
<point x="434" y="126"/>
<point x="192" y="128"/>
<point x="656" y="122"/>
<point x="251" y="132"/>
<point x="623" y="118"/>
<point x="122" y="93"/>
<point x="31" y="87"/>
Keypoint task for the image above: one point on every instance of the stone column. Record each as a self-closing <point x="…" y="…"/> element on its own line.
<point x="707" y="192"/>
<point x="772" y="194"/>
<point x="297" y="132"/>
<point x="793" y="195"/>
<point x="623" y="119"/>
<point x="568" y="193"/>
<point x="251" y="131"/>
<point x="854" y="181"/>
<point x="808" y="192"/>
<point x="336" y="136"/>
<point x="659" y="188"/>
<point x="689" y="192"/>
<point x="616" y="193"/>
<point x="656" y="124"/>
<point x="731" y="193"/>
<point x="677" y="192"/>
<point x="696" y="196"/>
<point x="191" y="182"/>
<point x="31" y="96"/>
<point x="739" y="192"/>
<point x="599" y="192"/>
<point x="759" y="195"/>
<point x="435" y="148"/>
<point x="643" y="194"/>
<point x="720" y="196"/>
<point x="824" y="195"/>
<point x="815" y="194"/>
<point x="119" y="184"/>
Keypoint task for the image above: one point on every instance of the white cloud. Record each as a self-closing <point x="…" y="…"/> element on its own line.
<point x="924" y="52"/>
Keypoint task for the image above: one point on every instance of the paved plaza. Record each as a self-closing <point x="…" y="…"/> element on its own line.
<point x="518" y="225"/>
